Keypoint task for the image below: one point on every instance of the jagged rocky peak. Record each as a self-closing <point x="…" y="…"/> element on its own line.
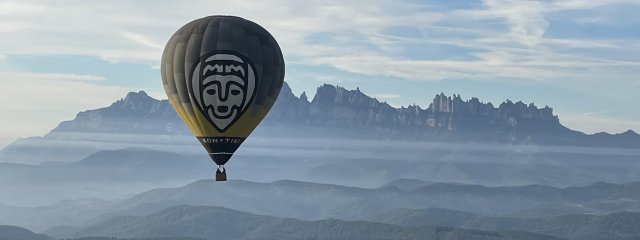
<point x="139" y="96"/>
<point x="447" y="104"/>
<point x="286" y="91"/>
<point x="336" y="108"/>
<point x="136" y="100"/>
<point x="325" y="94"/>
<point x="336" y="95"/>
<point x="411" y="109"/>
<point x="133" y="113"/>
<point x="526" y="111"/>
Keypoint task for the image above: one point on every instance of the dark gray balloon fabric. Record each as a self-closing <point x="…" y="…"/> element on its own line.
<point x="222" y="74"/>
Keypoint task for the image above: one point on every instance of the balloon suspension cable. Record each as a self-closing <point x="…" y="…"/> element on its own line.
<point x="221" y="173"/>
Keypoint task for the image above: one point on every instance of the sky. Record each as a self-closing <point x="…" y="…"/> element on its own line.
<point x="582" y="58"/>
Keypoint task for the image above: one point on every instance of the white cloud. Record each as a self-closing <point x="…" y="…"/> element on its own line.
<point x="599" y="113"/>
<point x="11" y="8"/>
<point x="33" y="76"/>
<point x="512" y="45"/>
<point x="133" y="31"/>
<point x="144" y="40"/>
<point x="582" y="4"/>
<point x="34" y="103"/>
<point x="491" y="68"/>
<point x="524" y="52"/>
<point x="82" y="28"/>
<point x="526" y="19"/>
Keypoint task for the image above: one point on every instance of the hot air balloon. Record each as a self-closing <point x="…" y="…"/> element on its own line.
<point x="222" y="74"/>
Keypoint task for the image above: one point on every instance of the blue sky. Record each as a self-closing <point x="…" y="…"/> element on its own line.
<point x="580" y="57"/>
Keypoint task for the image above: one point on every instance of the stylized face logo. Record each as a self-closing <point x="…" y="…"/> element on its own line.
<point x="223" y="84"/>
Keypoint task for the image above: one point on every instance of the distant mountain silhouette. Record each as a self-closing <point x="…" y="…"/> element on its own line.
<point x="218" y="223"/>
<point x="18" y="233"/>
<point x="315" y="201"/>
<point x="617" y="225"/>
<point x="335" y="111"/>
<point x="426" y="216"/>
<point x="112" y="166"/>
<point x="152" y="238"/>
<point x="312" y="201"/>
<point x="407" y="184"/>
<point x="135" y="113"/>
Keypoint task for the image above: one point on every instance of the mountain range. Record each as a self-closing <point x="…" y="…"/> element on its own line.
<point x="113" y="174"/>
<point x="306" y="200"/>
<point x="359" y="169"/>
<point x="617" y="225"/>
<point x="138" y="120"/>
<point x="189" y="222"/>
<point x="404" y="209"/>
<point x="18" y="233"/>
<point x="335" y="111"/>
<point x="221" y="223"/>
<point x="314" y="201"/>
<point x="212" y="222"/>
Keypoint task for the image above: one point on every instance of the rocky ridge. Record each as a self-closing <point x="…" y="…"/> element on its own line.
<point x="351" y="113"/>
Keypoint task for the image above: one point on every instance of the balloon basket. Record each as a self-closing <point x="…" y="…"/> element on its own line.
<point x="221" y="174"/>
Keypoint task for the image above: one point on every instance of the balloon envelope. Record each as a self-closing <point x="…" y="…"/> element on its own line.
<point x="222" y="74"/>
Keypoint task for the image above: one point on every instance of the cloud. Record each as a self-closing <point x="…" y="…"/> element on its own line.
<point x="33" y="76"/>
<point x="49" y="91"/>
<point x="33" y="103"/>
<point x="492" y="68"/>
<point x="128" y="31"/>
<point x="500" y="40"/>
<point x="80" y="28"/>
<point x="144" y="40"/>
<point x="522" y="53"/>
<point x="603" y="112"/>
<point x="526" y="19"/>
<point x="11" y="8"/>
<point x="581" y="4"/>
